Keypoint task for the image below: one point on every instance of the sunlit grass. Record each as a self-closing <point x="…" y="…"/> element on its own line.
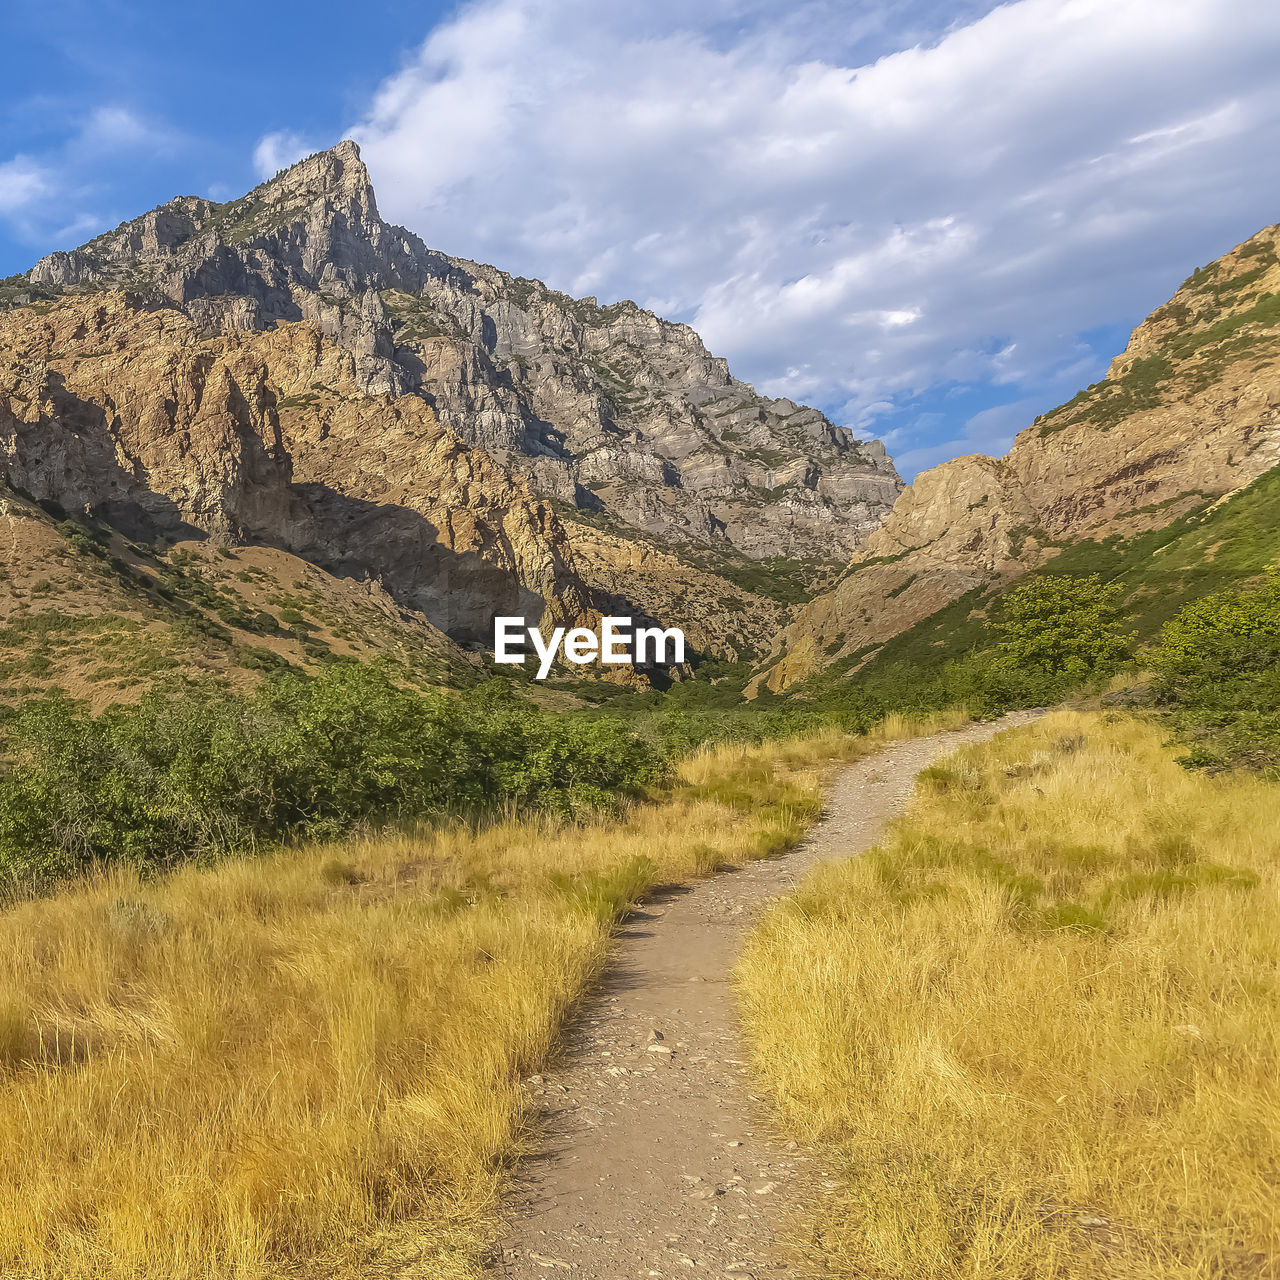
<point x="311" y="1063"/>
<point x="1039" y="1025"/>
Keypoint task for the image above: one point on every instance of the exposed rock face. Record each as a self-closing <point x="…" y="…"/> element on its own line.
<point x="718" y="616"/>
<point x="1190" y="411"/>
<point x="614" y="410"/>
<point x="123" y="411"/>
<point x="606" y="410"/>
<point x="308" y="245"/>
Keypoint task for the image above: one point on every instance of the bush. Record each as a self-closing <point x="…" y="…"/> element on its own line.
<point x="202" y="770"/>
<point x="1061" y="625"/>
<point x="1217" y="669"/>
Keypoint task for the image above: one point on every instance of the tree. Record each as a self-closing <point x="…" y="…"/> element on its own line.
<point x="1062" y="626"/>
<point x="1219" y="639"/>
<point x="1217" y="669"/>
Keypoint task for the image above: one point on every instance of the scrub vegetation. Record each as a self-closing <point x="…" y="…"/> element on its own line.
<point x="198" y="769"/>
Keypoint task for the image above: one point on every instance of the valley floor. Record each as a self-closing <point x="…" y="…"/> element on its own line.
<point x="1032" y="1032"/>
<point x="311" y="1063"/>
<point x="656" y="1157"/>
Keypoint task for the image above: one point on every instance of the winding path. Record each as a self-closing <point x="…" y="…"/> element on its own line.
<point x="656" y="1159"/>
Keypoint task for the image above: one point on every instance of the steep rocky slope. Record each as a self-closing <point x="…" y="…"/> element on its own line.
<point x="613" y="410"/>
<point x="619" y="419"/>
<point x="1189" y="411"/>
<point x="122" y="410"/>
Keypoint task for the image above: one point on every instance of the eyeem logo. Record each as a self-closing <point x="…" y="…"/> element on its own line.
<point x="619" y="643"/>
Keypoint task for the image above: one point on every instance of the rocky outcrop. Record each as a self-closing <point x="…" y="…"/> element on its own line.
<point x="308" y="245"/>
<point x="613" y="410"/>
<point x="608" y="411"/>
<point x="718" y="616"/>
<point x="1188" y="412"/>
<point x="120" y="409"/>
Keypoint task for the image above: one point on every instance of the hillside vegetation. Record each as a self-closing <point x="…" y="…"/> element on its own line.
<point x="1039" y="1024"/>
<point x="196" y="769"/>
<point x="1219" y="545"/>
<point x="104" y="617"/>
<point x="1217" y="669"/>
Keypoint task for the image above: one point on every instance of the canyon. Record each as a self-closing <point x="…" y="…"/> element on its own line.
<point x="326" y="418"/>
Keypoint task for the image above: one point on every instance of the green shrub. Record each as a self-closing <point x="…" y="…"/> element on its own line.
<point x="1061" y="625"/>
<point x="1217" y="669"/>
<point x="200" y="769"/>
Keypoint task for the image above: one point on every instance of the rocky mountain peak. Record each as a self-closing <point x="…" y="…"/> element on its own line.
<point x="622" y="419"/>
<point x="337" y="175"/>
<point x="314" y="227"/>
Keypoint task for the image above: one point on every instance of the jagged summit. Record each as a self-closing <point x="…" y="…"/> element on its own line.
<point x="338" y="173"/>
<point x="330" y="189"/>
<point x="308" y="244"/>
<point x="607" y="409"/>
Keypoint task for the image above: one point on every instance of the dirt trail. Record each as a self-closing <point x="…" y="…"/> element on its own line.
<point x="657" y="1160"/>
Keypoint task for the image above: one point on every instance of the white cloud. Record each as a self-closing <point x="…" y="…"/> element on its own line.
<point x="117" y="129"/>
<point x="276" y="151"/>
<point x="990" y="431"/>
<point x="797" y="182"/>
<point x="22" y="181"/>
<point x="44" y="198"/>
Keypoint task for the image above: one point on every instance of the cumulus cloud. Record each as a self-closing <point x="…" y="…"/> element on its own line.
<point x="42" y="197"/>
<point x="856" y="203"/>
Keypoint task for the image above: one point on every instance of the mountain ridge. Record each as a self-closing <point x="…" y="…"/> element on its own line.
<point x="606" y="414"/>
<point x="1188" y="412"/>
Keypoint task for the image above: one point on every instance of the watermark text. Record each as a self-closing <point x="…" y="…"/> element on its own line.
<point x="618" y="643"/>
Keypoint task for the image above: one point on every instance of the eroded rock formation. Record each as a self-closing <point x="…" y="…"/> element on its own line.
<point x="467" y="397"/>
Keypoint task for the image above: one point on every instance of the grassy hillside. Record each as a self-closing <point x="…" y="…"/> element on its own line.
<point x="1038" y="1026"/>
<point x="103" y="617"/>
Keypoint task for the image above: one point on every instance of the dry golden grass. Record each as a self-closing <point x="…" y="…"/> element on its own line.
<point x="310" y="1063"/>
<point x="1039" y="1025"/>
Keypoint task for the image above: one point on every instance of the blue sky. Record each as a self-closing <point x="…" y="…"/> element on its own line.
<point x="934" y="221"/>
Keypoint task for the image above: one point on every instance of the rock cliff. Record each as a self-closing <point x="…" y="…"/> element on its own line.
<point x="122" y="411"/>
<point x="613" y="415"/>
<point x="1188" y="412"/>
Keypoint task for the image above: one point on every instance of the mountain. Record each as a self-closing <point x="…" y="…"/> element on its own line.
<point x="287" y="389"/>
<point x="288" y="369"/>
<point x="1188" y="414"/>
<point x="88" y="610"/>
